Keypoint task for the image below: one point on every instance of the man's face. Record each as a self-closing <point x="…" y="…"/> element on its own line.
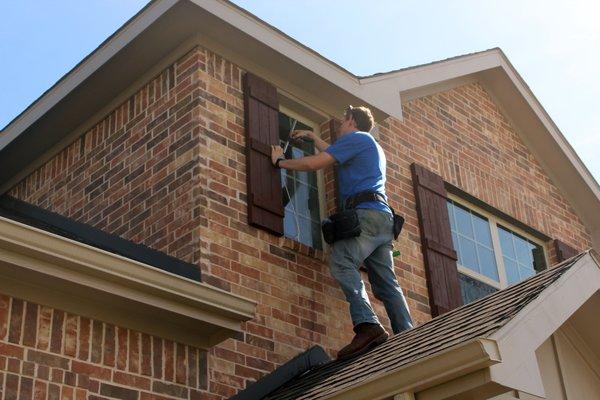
<point x="348" y="125"/>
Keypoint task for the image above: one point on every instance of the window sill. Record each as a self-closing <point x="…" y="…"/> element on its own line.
<point x="44" y="268"/>
<point x="303" y="249"/>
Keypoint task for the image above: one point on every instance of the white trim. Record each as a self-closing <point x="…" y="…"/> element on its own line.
<point x="494" y="221"/>
<point x="533" y="325"/>
<point x="48" y="269"/>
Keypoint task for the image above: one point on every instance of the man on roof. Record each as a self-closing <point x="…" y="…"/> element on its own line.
<point x="362" y="166"/>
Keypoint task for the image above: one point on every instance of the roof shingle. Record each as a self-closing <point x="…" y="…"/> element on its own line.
<point x="479" y="319"/>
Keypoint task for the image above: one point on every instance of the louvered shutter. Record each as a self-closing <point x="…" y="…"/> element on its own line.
<point x="334" y="124"/>
<point x="563" y="250"/>
<point x="265" y="207"/>
<point x="436" y="239"/>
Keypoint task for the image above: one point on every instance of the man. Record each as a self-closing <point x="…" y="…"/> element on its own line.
<point x="362" y="167"/>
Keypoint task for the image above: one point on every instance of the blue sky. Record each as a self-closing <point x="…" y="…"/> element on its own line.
<point x="555" y="45"/>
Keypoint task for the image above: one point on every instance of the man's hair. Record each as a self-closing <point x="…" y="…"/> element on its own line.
<point x="362" y="116"/>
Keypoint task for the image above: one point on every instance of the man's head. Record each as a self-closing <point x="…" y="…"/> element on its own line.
<point x="356" y="119"/>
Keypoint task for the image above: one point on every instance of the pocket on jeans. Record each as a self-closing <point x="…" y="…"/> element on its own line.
<point x="368" y="221"/>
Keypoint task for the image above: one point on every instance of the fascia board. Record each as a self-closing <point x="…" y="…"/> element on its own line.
<point x="280" y="42"/>
<point x="524" y="334"/>
<point x="550" y="126"/>
<point x="430" y="74"/>
<point x="428" y="372"/>
<point x="49" y="269"/>
<point x="383" y="97"/>
<point x="85" y="69"/>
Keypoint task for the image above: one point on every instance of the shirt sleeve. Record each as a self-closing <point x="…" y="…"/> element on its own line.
<point x="346" y="147"/>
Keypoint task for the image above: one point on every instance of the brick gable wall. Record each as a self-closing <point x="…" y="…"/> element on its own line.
<point x="167" y="169"/>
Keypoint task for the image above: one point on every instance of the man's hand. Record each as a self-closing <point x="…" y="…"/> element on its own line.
<point x="276" y="152"/>
<point x="302" y="134"/>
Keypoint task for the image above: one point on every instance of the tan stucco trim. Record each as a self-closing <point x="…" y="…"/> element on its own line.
<point x="48" y="269"/>
<point x="430" y="371"/>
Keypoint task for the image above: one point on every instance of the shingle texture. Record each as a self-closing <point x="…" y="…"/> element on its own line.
<point x="476" y="320"/>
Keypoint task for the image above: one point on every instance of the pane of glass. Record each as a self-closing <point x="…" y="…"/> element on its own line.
<point x="512" y="273"/>
<point x="301" y="198"/>
<point x="506" y="242"/>
<point x="524" y="255"/>
<point x="463" y="221"/>
<point x="468" y="253"/>
<point x="289" y="224"/>
<point x="313" y="204"/>
<point x="525" y="272"/>
<point x="302" y="176"/>
<point x="306" y="232"/>
<point x="451" y="216"/>
<point x="472" y="289"/>
<point x="487" y="262"/>
<point x="297" y="153"/>
<point x="482" y="231"/>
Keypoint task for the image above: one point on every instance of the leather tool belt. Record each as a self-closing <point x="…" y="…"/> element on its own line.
<point x="345" y="224"/>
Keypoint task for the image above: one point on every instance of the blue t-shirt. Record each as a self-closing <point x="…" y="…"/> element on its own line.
<point x="361" y="167"/>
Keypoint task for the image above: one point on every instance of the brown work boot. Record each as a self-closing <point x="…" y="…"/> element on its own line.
<point x="367" y="337"/>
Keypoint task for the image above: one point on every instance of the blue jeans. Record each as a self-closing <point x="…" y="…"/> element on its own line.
<point x="373" y="248"/>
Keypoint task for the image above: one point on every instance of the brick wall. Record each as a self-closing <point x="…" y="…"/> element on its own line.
<point x="167" y="169"/>
<point x="47" y="353"/>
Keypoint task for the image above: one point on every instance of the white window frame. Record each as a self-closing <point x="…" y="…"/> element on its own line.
<point x="494" y="221"/>
<point x="320" y="174"/>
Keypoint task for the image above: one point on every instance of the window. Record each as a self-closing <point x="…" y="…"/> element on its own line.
<point x="301" y="195"/>
<point x="491" y="253"/>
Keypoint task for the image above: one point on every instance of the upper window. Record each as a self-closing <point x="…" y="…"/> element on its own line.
<point x="491" y="254"/>
<point x="301" y="197"/>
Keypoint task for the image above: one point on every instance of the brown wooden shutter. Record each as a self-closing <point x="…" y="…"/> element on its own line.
<point x="265" y="207"/>
<point x="334" y="124"/>
<point x="436" y="238"/>
<point x="563" y="250"/>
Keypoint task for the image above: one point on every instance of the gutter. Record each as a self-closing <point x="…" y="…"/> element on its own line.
<point x="425" y="373"/>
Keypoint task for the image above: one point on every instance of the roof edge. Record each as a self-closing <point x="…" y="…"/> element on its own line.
<point x="519" y="339"/>
<point x="427" y="372"/>
<point x="154" y="7"/>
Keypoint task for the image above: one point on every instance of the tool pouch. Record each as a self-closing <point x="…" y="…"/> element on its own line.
<point x="398" y="223"/>
<point x="342" y="225"/>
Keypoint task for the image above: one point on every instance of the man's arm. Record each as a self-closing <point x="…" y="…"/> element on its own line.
<point x="308" y="163"/>
<point x="319" y="143"/>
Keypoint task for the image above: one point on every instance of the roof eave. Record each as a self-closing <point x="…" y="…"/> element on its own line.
<point x="485" y="367"/>
<point x="427" y="372"/>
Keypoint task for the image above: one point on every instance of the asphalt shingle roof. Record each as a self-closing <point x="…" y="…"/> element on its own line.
<point x="479" y="319"/>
